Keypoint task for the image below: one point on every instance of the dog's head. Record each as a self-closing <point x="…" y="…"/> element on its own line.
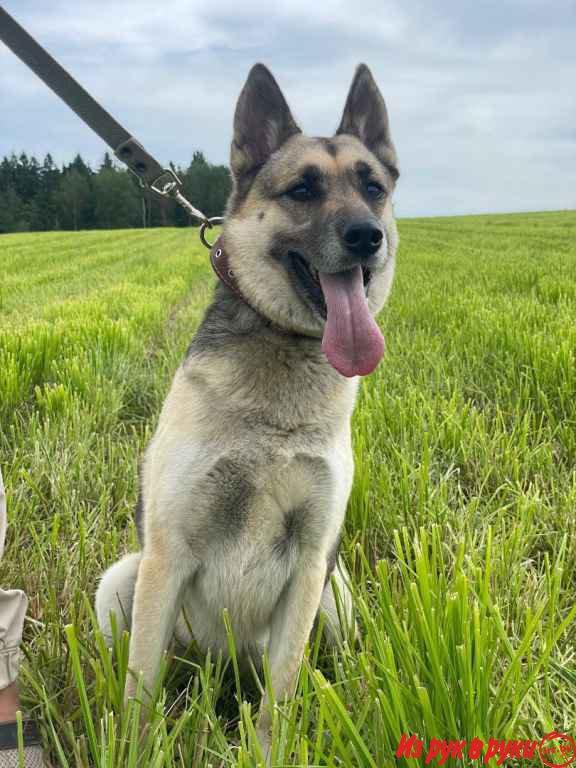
<point x="310" y="231"/>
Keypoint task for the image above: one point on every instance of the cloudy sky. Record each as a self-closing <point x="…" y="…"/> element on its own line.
<point x="481" y="93"/>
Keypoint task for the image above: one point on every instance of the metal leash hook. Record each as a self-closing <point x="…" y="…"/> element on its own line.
<point x="168" y="185"/>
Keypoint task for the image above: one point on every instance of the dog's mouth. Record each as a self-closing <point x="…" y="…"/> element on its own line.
<point x="351" y="341"/>
<point x="308" y="279"/>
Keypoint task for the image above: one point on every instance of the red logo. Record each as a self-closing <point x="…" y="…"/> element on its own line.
<point x="557" y="750"/>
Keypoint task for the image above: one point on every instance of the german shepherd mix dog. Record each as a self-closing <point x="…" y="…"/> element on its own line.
<point x="245" y="484"/>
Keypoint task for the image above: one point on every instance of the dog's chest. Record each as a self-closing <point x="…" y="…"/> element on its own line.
<point x="297" y="511"/>
<point x="249" y="493"/>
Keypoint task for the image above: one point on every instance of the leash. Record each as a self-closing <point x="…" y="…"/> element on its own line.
<point x="163" y="182"/>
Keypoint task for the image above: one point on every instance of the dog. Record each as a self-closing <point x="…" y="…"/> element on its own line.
<point x="245" y="483"/>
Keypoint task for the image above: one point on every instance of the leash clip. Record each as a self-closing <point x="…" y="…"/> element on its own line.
<point x="168" y="185"/>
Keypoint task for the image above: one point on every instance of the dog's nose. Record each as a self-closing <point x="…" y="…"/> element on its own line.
<point x="363" y="237"/>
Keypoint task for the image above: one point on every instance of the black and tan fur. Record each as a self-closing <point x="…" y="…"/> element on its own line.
<point x="245" y="483"/>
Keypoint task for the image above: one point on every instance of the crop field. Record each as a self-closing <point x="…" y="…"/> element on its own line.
<point x="461" y="528"/>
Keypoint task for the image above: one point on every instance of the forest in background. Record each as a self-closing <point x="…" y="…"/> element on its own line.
<point x="40" y="196"/>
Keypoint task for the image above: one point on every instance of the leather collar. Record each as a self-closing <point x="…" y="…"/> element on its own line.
<point x="221" y="266"/>
<point x="225" y="273"/>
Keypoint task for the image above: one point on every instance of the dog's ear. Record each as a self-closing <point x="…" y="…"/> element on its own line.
<point x="262" y="122"/>
<point x="366" y="117"/>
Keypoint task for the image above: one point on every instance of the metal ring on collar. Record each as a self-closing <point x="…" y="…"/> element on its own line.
<point x="208" y="224"/>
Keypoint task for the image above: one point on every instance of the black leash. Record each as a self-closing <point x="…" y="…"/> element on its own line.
<point x="162" y="181"/>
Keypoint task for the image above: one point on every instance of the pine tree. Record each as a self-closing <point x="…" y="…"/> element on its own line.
<point x="42" y="196"/>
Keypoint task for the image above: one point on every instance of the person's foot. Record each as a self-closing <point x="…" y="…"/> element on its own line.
<point x="9" y="753"/>
<point x="9" y="757"/>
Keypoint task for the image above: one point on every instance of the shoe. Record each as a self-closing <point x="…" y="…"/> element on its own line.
<point x="32" y="753"/>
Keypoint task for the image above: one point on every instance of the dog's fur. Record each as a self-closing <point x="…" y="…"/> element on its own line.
<point x="245" y="484"/>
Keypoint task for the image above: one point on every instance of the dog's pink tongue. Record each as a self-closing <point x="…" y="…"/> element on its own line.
<point x="352" y="341"/>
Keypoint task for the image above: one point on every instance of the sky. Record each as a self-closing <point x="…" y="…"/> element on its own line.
<point x="481" y="93"/>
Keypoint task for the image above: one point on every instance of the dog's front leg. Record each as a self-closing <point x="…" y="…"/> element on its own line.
<point x="291" y="626"/>
<point x="157" y="602"/>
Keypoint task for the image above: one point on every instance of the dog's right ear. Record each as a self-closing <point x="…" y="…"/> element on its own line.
<point x="262" y="123"/>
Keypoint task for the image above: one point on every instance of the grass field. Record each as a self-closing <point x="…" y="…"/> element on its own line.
<point x="461" y="529"/>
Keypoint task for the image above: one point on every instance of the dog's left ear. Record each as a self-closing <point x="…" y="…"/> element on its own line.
<point x="262" y="123"/>
<point x="366" y="117"/>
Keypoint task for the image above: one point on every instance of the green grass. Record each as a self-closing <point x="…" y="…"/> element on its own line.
<point x="461" y="528"/>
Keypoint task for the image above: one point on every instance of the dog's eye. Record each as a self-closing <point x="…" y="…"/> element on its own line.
<point x="301" y="192"/>
<point x="375" y="190"/>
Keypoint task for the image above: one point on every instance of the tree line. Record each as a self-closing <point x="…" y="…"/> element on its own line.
<point x="40" y="196"/>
